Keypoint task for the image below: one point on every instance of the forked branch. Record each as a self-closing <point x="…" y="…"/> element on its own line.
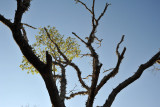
<point x="130" y="80"/>
<point x="85" y="6"/>
<point x="103" y="11"/>
<point x="115" y="70"/>
<point x="68" y="62"/>
<point x="117" y="52"/>
<point x="79" y="75"/>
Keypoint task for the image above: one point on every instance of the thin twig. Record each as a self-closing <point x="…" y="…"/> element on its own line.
<point x="77" y="93"/>
<point x="29" y="25"/>
<point x="117" y="52"/>
<point x="108" y="70"/>
<point x="78" y="37"/>
<point x="85" y="6"/>
<point x="85" y="55"/>
<point x="87" y="77"/>
<point x="103" y="11"/>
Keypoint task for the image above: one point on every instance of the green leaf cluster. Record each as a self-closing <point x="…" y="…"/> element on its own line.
<point x="68" y="46"/>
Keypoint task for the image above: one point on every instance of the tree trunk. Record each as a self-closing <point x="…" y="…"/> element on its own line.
<point x="52" y="90"/>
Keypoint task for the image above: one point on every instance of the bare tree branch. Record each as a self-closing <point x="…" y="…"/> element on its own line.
<point x="130" y="80"/>
<point x="63" y="82"/>
<point x="79" y="38"/>
<point x="85" y="55"/>
<point x="103" y="11"/>
<point x="100" y="41"/>
<point x="69" y="62"/>
<point x="93" y="15"/>
<point x="7" y="22"/>
<point x="29" y="25"/>
<point x="117" y="52"/>
<point x="108" y="70"/>
<point x="22" y="6"/>
<point x="96" y="64"/>
<point x="44" y="69"/>
<point x="71" y="91"/>
<point x="115" y="70"/>
<point x="85" y="6"/>
<point x="75" y="94"/>
<point x="87" y="77"/>
<point x="79" y="75"/>
<point x="95" y="75"/>
<point x="22" y="43"/>
<point x="94" y="26"/>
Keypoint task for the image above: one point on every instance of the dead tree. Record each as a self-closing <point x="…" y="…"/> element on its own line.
<point x="45" y="69"/>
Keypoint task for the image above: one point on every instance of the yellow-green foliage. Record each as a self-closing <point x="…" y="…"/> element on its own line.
<point x="68" y="46"/>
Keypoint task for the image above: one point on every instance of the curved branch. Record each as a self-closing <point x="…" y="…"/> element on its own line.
<point x="69" y="62"/>
<point x="25" y="48"/>
<point x="130" y="80"/>
<point x="85" y="6"/>
<point x="79" y="75"/>
<point x="75" y="94"/>
<point x="115" y="70"/>
<point x="117" y="52"/>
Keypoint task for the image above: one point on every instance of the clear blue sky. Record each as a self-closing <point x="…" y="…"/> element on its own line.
<point x="139" y="20"/>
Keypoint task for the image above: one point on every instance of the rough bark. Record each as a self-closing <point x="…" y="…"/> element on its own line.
<point x="131" y="79"/>
<point x="63" y="82"/>
<point x="44" y="69"/>
<point x="115" y="70"/>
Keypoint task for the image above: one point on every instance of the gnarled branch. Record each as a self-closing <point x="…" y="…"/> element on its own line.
<point x="79" y="75"/>
<point x="44" y="69"/>
<point x="130" y="80"/>
<point x="77" y="93"/>
<point x="115" y="70"/>
<point x="7" y="22"/>
<point x="63" y="82"/>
